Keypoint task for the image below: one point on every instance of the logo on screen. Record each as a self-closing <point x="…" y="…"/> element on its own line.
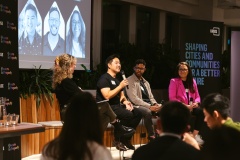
<point x="11" y="26"/>
<point x="13" y="147"/>
<point x="5" y="40"/>
<point x="11" y="56"/>
<point x="215" y="31"/>
<point x="12" y="86"/>
<point x="8" y="102"/>
<point x="4" y="9"/>
<point x="5" y="71"/>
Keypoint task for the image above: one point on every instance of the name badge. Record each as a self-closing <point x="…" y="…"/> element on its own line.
<point x="113" y="82"/>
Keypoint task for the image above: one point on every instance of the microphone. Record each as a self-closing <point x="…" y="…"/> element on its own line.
<point x="186" y="90"/>
<point x="162" y="102"/>
<point x="123" y="76"/>
<point x="191" y="101"/>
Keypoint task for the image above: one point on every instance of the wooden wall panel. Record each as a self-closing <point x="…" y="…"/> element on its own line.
<point x="33" y="143"/>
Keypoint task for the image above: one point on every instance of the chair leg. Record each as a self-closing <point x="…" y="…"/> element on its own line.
<point x="111" y="138"/>
<point x="141" y="132"/>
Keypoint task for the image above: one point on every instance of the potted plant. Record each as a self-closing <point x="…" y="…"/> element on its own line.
<point x="36" y="82"/>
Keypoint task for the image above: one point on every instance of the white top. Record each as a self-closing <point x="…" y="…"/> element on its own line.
<point x="77" y="50"/>
<point x="99" y="152"/>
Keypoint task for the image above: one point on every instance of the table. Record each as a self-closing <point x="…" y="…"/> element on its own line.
<point x="18" y="130"/>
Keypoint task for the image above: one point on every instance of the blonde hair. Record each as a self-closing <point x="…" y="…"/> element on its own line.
<point x="61" y="68"/>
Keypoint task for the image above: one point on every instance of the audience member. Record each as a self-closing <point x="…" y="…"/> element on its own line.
<point x="65" y="88"/>
<point x="139" y="93"/>
<point x="174" y="120"/>
<point x="216" y="110"/>
<point x="184" y="89"/>
<point x="222" y="143"/>
<point x="110" y="88"/>
<point x="75" y="42"/>
<point x="53" y="42"/>
<point x="78" y="139"/>
<point x="30" y="41"/>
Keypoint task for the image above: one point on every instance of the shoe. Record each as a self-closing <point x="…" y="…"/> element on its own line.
<point x="123" y="131"/>
<point x="127" y="143"/>
<point x="199" y="139"/>
<point x="119" y="145"/>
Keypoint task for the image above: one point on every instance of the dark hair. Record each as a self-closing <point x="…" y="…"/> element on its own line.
<point x="140" y="61"/>
<point x="218" y="102"/>
<point x="189" y="80"/>
<point x="81" y="125"/>
<point x="174" y="117"/>
<point x="110" y="59"/>
<point x="221" y="143"/>
<point x="31" y="7"/>
<point x="54" y="9"/>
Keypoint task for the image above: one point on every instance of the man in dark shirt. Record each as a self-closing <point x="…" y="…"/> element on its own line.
<point x="53" y="42"/>
<point x="30" y="42"/>
<point x="110" y="88"/>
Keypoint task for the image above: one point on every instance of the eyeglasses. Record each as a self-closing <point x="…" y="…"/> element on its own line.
<point x="76" y="23"/>
<point x="54" y="20"/>
<point x="182" y="70"/>
<point x="141" y="69"/>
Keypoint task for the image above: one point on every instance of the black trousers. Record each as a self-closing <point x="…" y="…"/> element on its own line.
<point x="106" y="114"/>
<point x="126" y="117"/>
<point x="199" y="118"/>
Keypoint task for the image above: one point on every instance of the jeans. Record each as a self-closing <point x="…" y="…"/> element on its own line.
<point x="147" y="115"/>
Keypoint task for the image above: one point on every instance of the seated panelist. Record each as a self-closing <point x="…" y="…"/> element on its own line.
<point x="139" y="93"/>
<point x="65" y="88"/>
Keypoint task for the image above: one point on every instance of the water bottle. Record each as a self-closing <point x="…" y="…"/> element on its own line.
<point x="2" y="106"/>
<point x="3" y="110"/>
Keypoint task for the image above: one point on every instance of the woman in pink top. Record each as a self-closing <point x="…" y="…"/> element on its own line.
<point x="184" y="89"/>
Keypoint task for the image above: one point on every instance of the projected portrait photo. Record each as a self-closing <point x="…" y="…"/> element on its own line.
<point x="76" y="34"/>
<point x="54" y="27"/>
<point x="30" y="30"/>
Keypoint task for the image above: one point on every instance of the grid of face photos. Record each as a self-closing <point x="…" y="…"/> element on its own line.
<point x="51" y="35"/>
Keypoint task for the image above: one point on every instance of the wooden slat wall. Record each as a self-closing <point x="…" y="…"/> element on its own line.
<point x="33" y="143"/>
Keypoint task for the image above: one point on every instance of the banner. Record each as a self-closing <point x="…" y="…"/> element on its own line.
<point x="9" y="70"/>
<point x="201" y="48"/>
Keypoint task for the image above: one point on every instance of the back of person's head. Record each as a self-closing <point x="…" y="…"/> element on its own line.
<point x="81" y="125"/>
<point x="216" y="102"/>
<point x="140" y="61"/>
<point x="174" y="117"/>
<point x="222" y="143"/>
<point x="61" y="68"/>
<point x="110" y="59"/>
